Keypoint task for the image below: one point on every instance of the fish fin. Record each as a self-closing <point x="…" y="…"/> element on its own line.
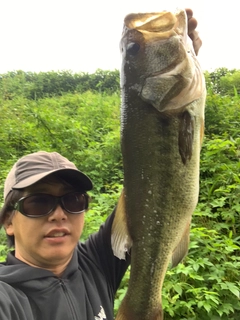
<point x="121" y="240"/>
<point x="202" y="132"/>
<point x="181" y="249"/>
<point x="185" y="136"/>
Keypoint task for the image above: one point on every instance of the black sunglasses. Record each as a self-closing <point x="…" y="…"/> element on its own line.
<point x="42" y="204"/>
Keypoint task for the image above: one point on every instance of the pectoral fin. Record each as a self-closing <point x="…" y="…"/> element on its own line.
<point x="121" y="241"/>
<point x="182" y="248"/>
<point x="185" y="136"/>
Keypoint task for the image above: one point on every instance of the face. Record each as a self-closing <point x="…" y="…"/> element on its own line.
<point x="47" y="242"/>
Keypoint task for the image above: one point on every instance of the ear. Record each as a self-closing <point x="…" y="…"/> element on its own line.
<point x="8" y="226"/>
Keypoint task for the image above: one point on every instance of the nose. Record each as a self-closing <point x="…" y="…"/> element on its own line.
<point x="58" y="214"/>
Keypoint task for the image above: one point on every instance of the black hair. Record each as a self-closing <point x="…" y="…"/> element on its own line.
<point x="7" y="211"/>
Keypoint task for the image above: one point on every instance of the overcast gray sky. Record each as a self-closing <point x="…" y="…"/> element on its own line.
<point x="77" y="35"/>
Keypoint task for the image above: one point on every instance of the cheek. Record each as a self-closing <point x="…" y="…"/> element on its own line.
<point x="78" y="224"/>
<point x="13" y="224"/>
<point x="22" y="227"/>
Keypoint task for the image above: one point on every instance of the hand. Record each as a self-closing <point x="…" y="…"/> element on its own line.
<point x="193" y="34"/>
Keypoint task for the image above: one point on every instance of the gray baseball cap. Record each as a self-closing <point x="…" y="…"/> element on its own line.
<point x="36" y="166"/>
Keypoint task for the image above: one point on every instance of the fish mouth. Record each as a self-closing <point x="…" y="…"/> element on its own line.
<point x="163" y="24"/>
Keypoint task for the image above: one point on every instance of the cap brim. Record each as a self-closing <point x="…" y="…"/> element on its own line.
<point x="72" y="176"/>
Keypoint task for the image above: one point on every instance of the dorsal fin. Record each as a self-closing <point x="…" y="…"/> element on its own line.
<point x="185" y="136"/>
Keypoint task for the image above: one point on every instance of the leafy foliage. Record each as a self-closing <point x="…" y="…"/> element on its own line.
<point x="81" y="127"/>
<point x="222" y="115"/>
<point x="214" y="79"/>
<point x="56" y="112"/>
<point x="230" y="83"/>
<point x="35" y="86"/>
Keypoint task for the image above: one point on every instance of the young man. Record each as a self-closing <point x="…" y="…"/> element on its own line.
<point x="50" y="275"/>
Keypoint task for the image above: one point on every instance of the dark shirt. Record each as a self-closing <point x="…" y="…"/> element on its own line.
<point x="85" y="291"/>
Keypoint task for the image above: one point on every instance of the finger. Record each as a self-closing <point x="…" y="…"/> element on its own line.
<point x="192" y="25"/>
<point x="196" y="40"/>
<point x="189" y="13"/>
<point x="192" y="22"/>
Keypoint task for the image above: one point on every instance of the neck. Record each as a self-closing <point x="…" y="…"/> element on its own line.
<point x="57" y="269"/>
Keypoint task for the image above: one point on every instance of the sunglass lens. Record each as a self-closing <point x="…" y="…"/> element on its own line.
<point x="37" y="205"/>
<point x="74" y="202"/>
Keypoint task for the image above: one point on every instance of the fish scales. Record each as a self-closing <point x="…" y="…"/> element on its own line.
<point x="162" y="118"/>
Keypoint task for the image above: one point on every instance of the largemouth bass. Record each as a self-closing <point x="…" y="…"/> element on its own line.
<point x="162" y="124"/>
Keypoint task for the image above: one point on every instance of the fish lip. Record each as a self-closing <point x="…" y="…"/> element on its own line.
<point x="176" y="26"/>
<point x="52" y="232"/>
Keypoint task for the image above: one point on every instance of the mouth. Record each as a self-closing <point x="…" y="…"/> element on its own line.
<point x="57" y="234"/>
<point x="57" y="238"/>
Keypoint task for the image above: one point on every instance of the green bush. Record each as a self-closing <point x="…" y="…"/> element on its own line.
<point x="214" y="79"/>
<point x="206" y="286"/>
<point x="84" y="128"/>
<point x="36" y="86"/>
<point x="230" y="83"/>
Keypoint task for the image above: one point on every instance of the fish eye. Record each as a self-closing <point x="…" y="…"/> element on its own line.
<point x="133" y="48"/>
